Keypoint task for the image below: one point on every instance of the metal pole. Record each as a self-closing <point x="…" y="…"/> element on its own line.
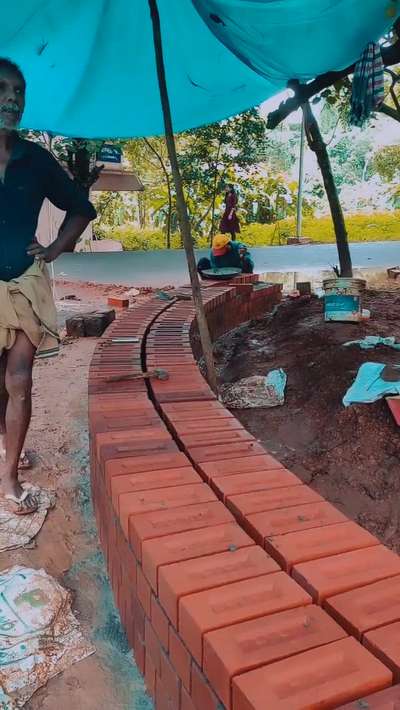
<point x="299" y="219"/>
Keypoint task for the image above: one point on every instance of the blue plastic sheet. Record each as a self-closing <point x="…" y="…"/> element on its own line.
<point x="296" y="39"/>
<point x="90" y="64"/>
<point x="372" y="341"/>
<point x="369" y="386"/>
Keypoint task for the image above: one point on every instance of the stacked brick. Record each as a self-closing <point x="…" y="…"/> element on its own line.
<point x="238" y="586"/>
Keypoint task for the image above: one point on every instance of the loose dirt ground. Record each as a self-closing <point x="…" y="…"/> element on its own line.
<point x="67" y="546"/>
<point x="351" y="456"/>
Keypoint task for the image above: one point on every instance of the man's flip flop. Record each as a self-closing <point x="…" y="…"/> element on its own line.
<point x="25" y="462"/>
<point x="26" y="503"/>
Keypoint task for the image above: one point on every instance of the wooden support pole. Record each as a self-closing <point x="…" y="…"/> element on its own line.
<point x="183" y="215"/>
<point x="317" y="144"/>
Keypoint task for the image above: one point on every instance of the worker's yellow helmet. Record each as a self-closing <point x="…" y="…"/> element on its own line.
<point x="219" y="244"/>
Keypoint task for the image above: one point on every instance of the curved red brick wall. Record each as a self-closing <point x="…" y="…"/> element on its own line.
<point x="239" y="587"/>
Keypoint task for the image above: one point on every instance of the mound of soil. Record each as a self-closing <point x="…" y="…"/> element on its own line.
<point x="351" y="456"/>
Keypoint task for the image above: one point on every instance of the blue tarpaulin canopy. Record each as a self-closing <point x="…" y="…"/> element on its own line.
<point x="90" y="64"/>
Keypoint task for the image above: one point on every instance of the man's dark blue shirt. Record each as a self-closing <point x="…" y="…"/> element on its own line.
<point x="32" y="175"/>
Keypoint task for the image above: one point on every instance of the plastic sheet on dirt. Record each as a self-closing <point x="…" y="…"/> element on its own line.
<point x="256" y="391"/>
<point x="369" y="386"/>
<point x="19" y="530"/>
<point x="372" y="341"/>
<point x="39" y="635"/>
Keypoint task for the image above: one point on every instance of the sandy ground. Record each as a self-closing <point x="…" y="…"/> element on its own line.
<point x="67" y="546"/>
<point x="351" y="456"/>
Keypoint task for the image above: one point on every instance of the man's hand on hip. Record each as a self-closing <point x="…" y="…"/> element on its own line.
<point x="38" y="251"/>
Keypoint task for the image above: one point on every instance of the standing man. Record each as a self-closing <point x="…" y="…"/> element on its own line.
<point x="28" y="174"/>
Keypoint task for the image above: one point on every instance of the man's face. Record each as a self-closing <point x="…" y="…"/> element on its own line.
<point x="12" y="100"/>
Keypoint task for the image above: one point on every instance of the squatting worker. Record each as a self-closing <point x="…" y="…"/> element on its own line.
<point x="28" y="174"/>
<point x="226" y="253"/>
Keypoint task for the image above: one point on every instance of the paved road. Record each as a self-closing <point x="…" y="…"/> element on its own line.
<point x="159" y="268"/>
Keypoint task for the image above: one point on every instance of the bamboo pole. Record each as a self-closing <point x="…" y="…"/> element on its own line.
<point x="183" y="215"/>
<point x="316" y="143"/>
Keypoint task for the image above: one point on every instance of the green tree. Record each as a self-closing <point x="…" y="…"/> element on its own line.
<point x="214" y="155"/>
<point x="386" y="162"/>
<point x="149" y="158"/>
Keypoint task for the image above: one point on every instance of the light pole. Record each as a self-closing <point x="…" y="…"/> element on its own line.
<point x="299" y="218"/>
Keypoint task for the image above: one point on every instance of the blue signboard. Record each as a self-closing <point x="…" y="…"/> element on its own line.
<point x="109" y="154"/>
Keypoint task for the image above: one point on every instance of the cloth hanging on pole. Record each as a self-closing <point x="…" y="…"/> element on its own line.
<point x="368" y="85"/>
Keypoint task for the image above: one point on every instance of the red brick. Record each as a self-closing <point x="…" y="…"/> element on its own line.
<point x="131" y="436"/>
<point x="368" y="608"/>
<point x="211" y="438"/>
<point x="119" y="403"/>
<point x="163" y="700"/>
<point x="394" y="406"/>
<point x="233" y="603"/>
<point x="274" y="499"/>
<point x="160" y="622"/>
<point x="139" y="653"/>
<point x="197" y="425"/>
<point x="384" y="644"/>
<point x="116" y="421"/>
<point x="183" y="578"/>
<point x="233" y="466"/>
<point x="167" y="522"/>
<point x="188" y="545"/>
<point x="306" y="545"/>
<point x="255" y="481"/>
<point x="149" y="480"/>
<point x="138" y="616"/>
<point x="333" y="575"/>
<point x="178" y="412"/>
<point x="150" y="675"/>
<point x="202" y="694"/>
<point x="153" y="646"/>
<point x="140" y="464"/>
<point x="202" y="454"/>
<point x="143" y="591"/>
<point x="136" y="448"/>
<point x="236" y="649"/>
<point x="321" y="678"/>
<point x="161" y="499"/>
<point x="118" y="301"/>
<point x="170" y="682"/>
<point x="299" y="517"/>
<point x="388" y="699"/>
<point x="180" y="658"/>
<point x="186" y="700"/>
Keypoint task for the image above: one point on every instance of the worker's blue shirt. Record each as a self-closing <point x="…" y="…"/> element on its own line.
<point x="32" y="175"/>
<point x="232" y="258"/>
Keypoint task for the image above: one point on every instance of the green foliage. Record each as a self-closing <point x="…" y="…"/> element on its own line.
<point x="387" y="162"/>
<point x="141" y="239"/>
<point x="361" y="228"/>
<point x="113" y="210"/>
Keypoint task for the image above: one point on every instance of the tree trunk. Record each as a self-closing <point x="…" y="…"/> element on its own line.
<point x="214" y="197"/>
<point x="180" y="201"/>
<point x="316" y="143"/>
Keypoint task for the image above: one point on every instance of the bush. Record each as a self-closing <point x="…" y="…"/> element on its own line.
<point x="361" y="228"/>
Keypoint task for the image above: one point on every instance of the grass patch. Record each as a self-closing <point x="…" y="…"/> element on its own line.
<point x="374" y="227"/>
